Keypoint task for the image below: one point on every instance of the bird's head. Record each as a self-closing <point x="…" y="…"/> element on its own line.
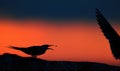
<point x="46" y="46"/>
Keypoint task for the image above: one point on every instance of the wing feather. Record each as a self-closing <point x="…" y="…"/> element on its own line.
<point x="106" y="28"/>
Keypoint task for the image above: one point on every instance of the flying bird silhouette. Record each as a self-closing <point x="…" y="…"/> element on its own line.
<point x="111" y="35"/>
<point x="34" y="51"/>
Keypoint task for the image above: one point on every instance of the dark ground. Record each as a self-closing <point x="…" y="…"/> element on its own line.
<point x="10" y="62"/>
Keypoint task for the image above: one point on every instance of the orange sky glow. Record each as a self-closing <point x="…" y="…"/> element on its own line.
<point x="78" y="41"/>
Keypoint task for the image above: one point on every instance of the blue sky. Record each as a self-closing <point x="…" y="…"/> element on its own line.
<point x="60" y="9"/>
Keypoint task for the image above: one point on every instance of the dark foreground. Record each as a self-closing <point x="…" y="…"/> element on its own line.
<point x="10" y="62"/>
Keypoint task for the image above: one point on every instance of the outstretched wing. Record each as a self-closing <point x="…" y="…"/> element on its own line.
<point x="106" y="28"/>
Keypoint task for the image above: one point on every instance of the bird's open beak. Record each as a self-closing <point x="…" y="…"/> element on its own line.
<point x="50" y="48"/>
<point x="53" y="45"/>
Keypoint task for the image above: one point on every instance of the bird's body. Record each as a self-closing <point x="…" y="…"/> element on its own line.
<point x="33" y="50"/>
<point x="109" y="32"/>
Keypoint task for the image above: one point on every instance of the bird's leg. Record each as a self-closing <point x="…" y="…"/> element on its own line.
<point x="34" y="56"/>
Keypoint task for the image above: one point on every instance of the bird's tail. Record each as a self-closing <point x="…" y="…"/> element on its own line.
<point x="14" y="47"/>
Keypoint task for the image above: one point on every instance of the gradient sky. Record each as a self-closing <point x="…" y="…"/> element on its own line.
<point x="69" y="24"/>
<point x="77" y="41"/>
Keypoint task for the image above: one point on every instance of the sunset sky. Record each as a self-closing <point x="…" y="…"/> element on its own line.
<point x="71" y="25"/>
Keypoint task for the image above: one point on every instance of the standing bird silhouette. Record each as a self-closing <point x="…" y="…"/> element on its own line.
<point x="34" y="51"/>
<point x="111" y="35"/>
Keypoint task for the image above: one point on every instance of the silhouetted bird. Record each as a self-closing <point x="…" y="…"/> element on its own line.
<point x="112" y="36"/>
<point x="34" y="50"/>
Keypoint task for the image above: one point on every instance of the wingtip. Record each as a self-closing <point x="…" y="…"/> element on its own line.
<point x="98" y="13"/>
<point x="97" y="10"/>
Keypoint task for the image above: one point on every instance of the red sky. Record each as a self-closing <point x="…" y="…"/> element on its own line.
<point x="78" y="41"/>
